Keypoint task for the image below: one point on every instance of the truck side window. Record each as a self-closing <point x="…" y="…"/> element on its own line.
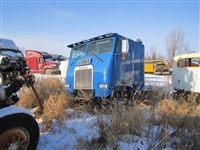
<point x="30" y="54"/>
<point x="40" y="60"/>
<point x="119" y="45"/>
<point x="195" y="62"/>
<point x="189" y="62"/>
<point x="181" y="63"/>
<point x="119" y="48"/>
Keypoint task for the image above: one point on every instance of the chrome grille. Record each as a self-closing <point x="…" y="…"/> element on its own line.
<point x="83" y="78"/>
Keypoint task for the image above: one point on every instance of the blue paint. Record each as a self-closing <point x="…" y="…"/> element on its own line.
<point x="99" y="61"/>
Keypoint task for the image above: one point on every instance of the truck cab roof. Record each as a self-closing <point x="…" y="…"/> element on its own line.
<point x="101" y="37"/>
<point x="8" y="44"/>
<point x="45" y="54"/>
<point x="92" y="39"/>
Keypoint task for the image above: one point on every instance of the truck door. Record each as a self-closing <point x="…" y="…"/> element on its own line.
<point x="138" y="65"/>
<point x="40" y="61"/>
<point x="132" y="63"/>
<point x="118" y="60"/>
<point x="32" y="62"/>
<point x="123" y="68"/>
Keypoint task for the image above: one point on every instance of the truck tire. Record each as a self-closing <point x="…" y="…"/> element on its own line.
<point x="18" y="131"/>
<point x="48" y="71"/>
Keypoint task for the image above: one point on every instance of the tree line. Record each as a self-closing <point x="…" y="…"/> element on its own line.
<point x="175" y="45"/>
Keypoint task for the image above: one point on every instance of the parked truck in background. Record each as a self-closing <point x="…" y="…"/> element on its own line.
<point x="158" y="67"/>
<point x="161" y="68"/>
<point x="41" y="62"/>
<point x="149" y="67"/>
<point x="108" y="66"/>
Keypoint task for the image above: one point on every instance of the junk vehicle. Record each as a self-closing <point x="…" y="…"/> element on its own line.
<point x="18" y="128"/>
<point x="158" y="67"/>
<point x="59" y="58"/>
<point x="106" y="66"/>
<point x="186" y="73"/>
<point x="41" y="62"/>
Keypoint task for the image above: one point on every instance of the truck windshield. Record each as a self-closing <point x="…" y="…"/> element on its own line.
<point x="11" y="53"/>
<point x="100" y="47"/>
<point x="78" y="51"/>
<point x="48" y="59"/>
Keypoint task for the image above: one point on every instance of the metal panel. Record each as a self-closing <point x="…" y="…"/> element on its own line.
<point x="83" y="78"/>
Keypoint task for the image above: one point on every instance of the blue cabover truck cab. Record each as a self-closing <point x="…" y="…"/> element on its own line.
<point x="105" y="67"/>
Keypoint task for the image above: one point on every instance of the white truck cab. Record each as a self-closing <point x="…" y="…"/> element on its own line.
<point x="186" y="72"/>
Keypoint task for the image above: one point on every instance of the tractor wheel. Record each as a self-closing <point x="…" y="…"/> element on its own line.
<point x="18" y="131"/>
<point x="48" y="71"/>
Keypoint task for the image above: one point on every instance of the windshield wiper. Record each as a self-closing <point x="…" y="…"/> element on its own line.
<point x="98" y="57"/>
<point x="75" y="59"/>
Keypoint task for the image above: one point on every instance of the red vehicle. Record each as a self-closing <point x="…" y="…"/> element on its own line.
<point x="41" y="62"/>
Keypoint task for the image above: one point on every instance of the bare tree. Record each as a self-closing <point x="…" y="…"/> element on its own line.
<point x="160" y="57"/>
<point x="186" y="48"/>
<point x="147" y="56"/>
<point x="153" y="52"/>
<point x="175" y="44"/>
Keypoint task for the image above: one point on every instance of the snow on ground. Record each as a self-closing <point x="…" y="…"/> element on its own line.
<point x="79" y="126"/>
<point x="65" y="137"/>
<point x="154" y="81"/>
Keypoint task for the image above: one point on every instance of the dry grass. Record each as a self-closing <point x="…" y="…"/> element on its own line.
<point x="54" y="98"/>
<point x="115" y="122"/>
<point x="44" y="88"/>
<point x="182" y="114"/>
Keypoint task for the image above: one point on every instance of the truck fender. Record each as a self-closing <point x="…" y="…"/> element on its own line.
<point x="48" y="71"/>
<point x="12" y="110"/>
<point x="122" y="91"/>
<point x="19" y="130"/>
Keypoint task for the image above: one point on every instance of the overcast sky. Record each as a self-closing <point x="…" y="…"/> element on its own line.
<point x="51" y="25"/>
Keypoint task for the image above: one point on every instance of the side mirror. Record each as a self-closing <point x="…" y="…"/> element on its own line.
<point x="125" y="46"/>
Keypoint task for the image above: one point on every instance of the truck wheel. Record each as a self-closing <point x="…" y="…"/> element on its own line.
<point x="18" y="131"/>
<point x="48" y="71"/>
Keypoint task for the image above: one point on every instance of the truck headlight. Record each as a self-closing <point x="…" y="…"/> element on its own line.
<point x="103" y="86"/>
<point x="67" y="85"/>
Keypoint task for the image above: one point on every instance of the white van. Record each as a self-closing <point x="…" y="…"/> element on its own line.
<point x="186" y="72"/>
<point x="7" y="43"/>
